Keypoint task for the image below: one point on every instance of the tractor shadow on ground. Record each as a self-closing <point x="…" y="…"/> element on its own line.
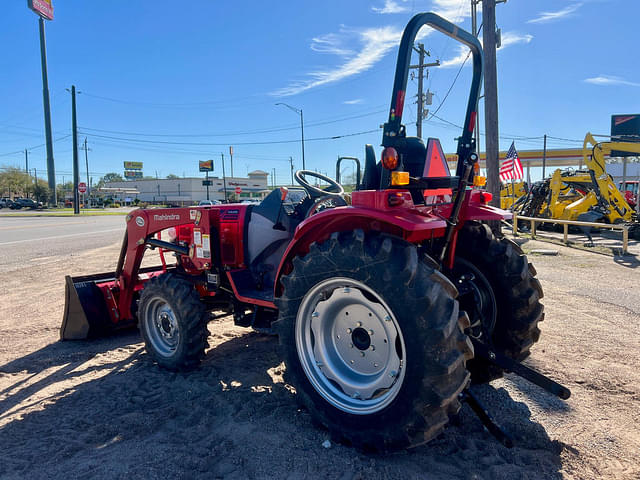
<point x="231" y="418"/>
<point x="62" y="360"/>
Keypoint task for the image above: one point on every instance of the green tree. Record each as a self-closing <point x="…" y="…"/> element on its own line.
<point x="41" y="191"/>
<point x="172" y="176"/>
<point x="109" y="177"/>
<point x="15" y="181"/>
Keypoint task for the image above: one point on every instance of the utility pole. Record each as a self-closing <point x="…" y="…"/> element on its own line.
<point x="76" y="173"/>
<point x="26" y="169"/>
<point x="86" y="161"/>
<point x="291" y="163"/>
<point x="51" y="171"/>
<point x="544" y="156"/>
<point x="231" y="155"/>
<point x="476" y="31"/>
<point x="273" y="177"/>
<point x="421" y="97"/>
<point x="491" y="101"/>
<point x="224" y="181"/>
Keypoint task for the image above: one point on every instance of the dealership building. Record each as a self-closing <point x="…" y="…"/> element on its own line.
<point x="191" y="190"/>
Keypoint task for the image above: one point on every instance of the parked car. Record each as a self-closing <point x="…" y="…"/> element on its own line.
<point x="26" y="203"/>
<point x="5" y="202"/>
<point x="204" y="203"/>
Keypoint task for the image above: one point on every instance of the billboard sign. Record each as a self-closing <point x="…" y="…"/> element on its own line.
<point x="133" y="174"/>
<point x="206" y="165"/>
<point x="133" y="165"/>
<point x="44" y="8"/>
<point x="625" y="128"/>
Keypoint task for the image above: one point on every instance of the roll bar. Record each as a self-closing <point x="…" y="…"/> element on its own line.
<point x="393" y="128"/>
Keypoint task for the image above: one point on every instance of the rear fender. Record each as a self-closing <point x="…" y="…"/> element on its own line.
<point x="402" y="223"/>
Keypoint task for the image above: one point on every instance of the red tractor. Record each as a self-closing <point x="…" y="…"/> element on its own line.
<point x="379" y="304"/>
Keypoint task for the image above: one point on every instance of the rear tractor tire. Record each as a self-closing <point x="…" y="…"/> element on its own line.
<point x="173" y="322"/>
<point x="500" y="294"/>
<point x="372" y="341"/>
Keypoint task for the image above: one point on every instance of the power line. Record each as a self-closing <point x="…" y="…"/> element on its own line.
<point x="272" y="142"/>
<point x="249" y="132"/>
<point x="34" y="147"/>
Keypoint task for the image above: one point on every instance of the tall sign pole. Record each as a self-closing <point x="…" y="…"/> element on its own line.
<point x="224" y="180"/>
<point x="231" y="155"/>
<point x="76" y="169"/>
<point x="44" y="9"/>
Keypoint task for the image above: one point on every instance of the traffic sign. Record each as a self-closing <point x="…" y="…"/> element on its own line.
<point x="207" y="183"/>
<point x="238" y="190"/>
<point x="82" y="187"/>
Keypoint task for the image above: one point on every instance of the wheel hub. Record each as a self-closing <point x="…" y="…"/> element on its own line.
<point x="161" y="325"/>
<point x="350" y="345"/>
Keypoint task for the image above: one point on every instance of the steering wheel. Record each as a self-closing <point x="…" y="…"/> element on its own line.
<point x="323" y="203"/>
<point x="334" y="188"/>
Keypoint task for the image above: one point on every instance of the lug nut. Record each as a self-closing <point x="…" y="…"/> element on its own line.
<point x="362" y="354"/>
<point x="358" y="324"/>
<point x="351" y="345"/>
<point x="349" y="331"/>
<point x="372" y="348"/>
<point x="370" y="332"/>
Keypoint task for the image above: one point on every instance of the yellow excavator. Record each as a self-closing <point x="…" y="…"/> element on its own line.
<point x="584" y="195"/>
<point x="511" y="192"/>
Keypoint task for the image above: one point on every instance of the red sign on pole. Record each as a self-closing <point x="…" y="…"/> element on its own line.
<point x="44" y="8"/>
<point x="82" y="187"/>
<point x="238" y="190"/>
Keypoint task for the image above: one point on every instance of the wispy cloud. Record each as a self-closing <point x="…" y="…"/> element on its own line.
<point x="508" y="39"/>
<point x="452" y="10"/>
<point x="544" y="17"/>
<point x="355" y="101"/>
<point x="375" y="43"/>
<point x="390" y="6"/>
<point x="371" y="45"/>
<point x="610" y="80"/>
<point x="512" y="38"/>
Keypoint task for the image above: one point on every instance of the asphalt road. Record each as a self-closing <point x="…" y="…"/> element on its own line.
<point x="27" y="241"/>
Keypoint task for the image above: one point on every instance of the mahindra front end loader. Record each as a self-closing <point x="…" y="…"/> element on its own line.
<point x="379" y="302"/>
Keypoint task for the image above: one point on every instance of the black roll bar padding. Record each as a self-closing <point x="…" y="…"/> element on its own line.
<point x="154" y="242"/>
<point x="393" y="127"/>
<point x="357" y="168"/>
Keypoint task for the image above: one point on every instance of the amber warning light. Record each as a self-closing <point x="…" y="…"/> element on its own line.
<point x="390" y="158"/>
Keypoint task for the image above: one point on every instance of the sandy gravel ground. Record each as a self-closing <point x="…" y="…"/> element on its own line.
<point x="103" y="410"/>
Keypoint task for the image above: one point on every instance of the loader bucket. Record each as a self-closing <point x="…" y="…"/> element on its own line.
<point x="86" y="314"/>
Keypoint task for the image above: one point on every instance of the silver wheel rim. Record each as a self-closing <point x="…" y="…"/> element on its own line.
<point x="162" y="328"/>
<point x="350" y="346"/>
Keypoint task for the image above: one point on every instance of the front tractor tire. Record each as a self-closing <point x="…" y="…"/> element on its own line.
<point x="371" y="340"/>
<point x="173" y="322"/>
<point x="500" y="294"/>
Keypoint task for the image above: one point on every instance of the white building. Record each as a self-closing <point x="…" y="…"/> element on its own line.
<point x="189" y="191"/>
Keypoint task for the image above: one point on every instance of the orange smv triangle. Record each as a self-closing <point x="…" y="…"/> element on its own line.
<point x="436" y="166"/>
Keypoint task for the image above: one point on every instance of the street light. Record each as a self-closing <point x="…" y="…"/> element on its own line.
<point x="299" y="112"/>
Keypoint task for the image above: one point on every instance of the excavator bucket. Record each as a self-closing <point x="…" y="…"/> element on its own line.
<point x="86" y="314"/>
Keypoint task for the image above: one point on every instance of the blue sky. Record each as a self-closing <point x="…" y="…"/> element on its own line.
<point x="203" y="75"/>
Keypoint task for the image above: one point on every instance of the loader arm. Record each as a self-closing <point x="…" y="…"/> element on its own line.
<point x="101" y="303"/>
<point x="605" y="189"/>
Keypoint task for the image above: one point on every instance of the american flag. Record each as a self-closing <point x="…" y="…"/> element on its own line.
<point x="511" y="168"/>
